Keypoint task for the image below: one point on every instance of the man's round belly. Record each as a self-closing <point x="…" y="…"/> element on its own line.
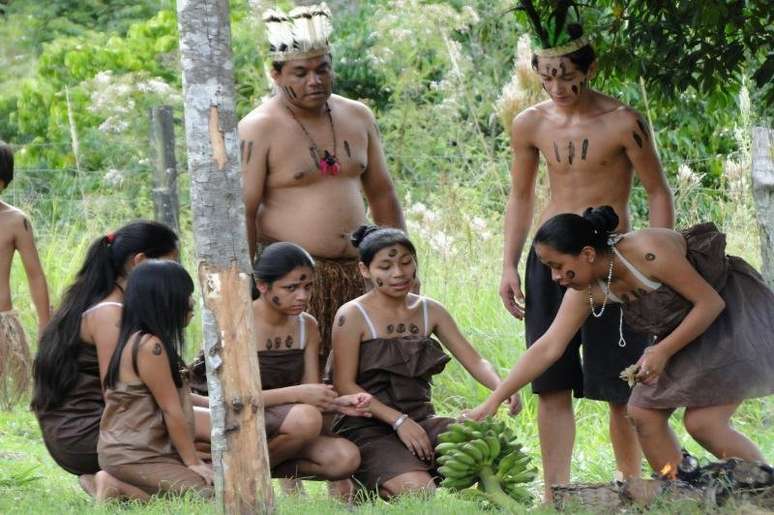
<point x="322" y="224"/>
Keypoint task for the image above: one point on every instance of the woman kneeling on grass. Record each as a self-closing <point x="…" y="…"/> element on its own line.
<point x="147" y="431"/>
<point x="712" y="315"/>
<point x="76" y="346"/>
<point x="294" y="397"/>
<point x="383" y="345"/>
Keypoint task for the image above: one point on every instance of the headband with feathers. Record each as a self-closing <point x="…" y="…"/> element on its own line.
<point x="553" y="39"/>
<point x="299" y="34"/>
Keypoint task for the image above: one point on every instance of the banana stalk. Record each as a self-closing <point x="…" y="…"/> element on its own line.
<point x="495" y="493"/>
<point x="485" y="453"/>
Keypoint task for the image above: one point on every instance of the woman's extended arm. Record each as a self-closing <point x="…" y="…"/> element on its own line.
<point x="545" y="351"/>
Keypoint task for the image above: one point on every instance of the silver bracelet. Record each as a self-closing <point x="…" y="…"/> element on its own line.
<point x="399" y="421"/>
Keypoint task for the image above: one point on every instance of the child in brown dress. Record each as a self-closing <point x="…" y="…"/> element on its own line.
<point x="383" y="345"/>
<point x="712" y="316"/>
<point x="16" y="236"/>
<point x="294" y="397"/>
<point x="147" y="431"/>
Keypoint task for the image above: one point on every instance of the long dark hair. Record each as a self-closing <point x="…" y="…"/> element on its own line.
<point x="568" y="233"/>
<point x="156" y="302"/>
<point x="370" y="239"/>
<point x="278" y="260"/>
<point x="55" y="369"/>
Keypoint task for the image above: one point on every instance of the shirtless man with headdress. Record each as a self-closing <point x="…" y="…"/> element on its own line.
<point x="591" y="144"/>
<point x="306" y="157"/>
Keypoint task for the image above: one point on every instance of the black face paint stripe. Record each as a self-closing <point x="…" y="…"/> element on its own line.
<point x="556" y="152"/>
<point x="584" y="149"/>
<point x="571" y="151"/>
<point x="347" y="149"/>
<point x="249" y="151"/>
<point x="638" y="139"/>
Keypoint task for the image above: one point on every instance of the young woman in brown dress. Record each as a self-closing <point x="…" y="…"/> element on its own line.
<point x="294" y="397"/>
<point x="147" y="430"/>
<point x="384" y="345"/>
<point x="711" y="314"/>
<point x="76" y="346"/>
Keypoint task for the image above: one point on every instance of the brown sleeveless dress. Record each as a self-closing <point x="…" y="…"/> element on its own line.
<point x="135" y="447"/>
<point x="734" y="359"/>
<point x="279" y="369"/>
<point x="398" y="372"/>
<point x="71" y="430"/>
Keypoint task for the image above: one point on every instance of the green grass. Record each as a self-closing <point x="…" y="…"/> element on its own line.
<point x="458" y="266"/>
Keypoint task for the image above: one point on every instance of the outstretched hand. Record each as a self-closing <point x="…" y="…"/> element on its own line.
<point x="480" y="412"/>
<point x="354" y="405"/>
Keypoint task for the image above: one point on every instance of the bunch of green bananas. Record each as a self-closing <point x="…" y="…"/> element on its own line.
<point x="486" y="453"/>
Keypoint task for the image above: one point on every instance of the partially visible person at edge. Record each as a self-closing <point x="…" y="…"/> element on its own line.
<point x="75" y="349"/>
<point x="16" y="236"/>
<point x="147" y="431"/>
<point x="591" y="143"/>
<point x="384" y="345"/>
<point x="293" y="394"/>
<point x="712" y="316"/>
<point x="306" y="156"/>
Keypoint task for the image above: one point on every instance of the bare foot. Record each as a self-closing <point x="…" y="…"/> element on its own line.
<point x="292" y="486"/>
<point x="106" y="487"/>
<point x="88" y="483"/>
<point x="342" y="490"/>
<point x="109" y="487"/>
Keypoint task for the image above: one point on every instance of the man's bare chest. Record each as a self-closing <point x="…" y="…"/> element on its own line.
<point x="580" y="147"/>
<point x="297" y="160"/>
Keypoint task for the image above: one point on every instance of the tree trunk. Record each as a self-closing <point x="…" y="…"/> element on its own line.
<point x="240" y="459"/>
<point x="165" y="203"/>
<point x="763" y="193"/>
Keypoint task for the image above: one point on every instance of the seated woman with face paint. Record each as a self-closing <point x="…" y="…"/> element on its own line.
<point x="383" y="345"/>
<point x="712" y="316"/>
<point x="147" y="430"/>
<point x="294" y="397"/>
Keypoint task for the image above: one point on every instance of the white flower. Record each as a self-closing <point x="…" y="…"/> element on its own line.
<point x="687" y="178"/>
<point x="114" y="177"/>
<point x="470" y="15"/>
<point x="478" y="224"/>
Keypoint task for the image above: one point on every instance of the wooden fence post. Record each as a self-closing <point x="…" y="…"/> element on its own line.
<point x="165" y="202"/>
<point x="763" y="193"/>
<point x="240" y="458"/>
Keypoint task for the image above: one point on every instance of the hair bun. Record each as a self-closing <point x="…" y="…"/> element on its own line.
<point x="359" y="235"/>
<point x="602" y="218"/>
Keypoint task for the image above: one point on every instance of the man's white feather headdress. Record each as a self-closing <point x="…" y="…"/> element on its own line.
<point x="300" y="34"/>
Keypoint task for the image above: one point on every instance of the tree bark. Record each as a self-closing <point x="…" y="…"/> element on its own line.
<point x="763" y="193"/>
<point x="165" y="202"/>
<point x="240" y="458"/>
